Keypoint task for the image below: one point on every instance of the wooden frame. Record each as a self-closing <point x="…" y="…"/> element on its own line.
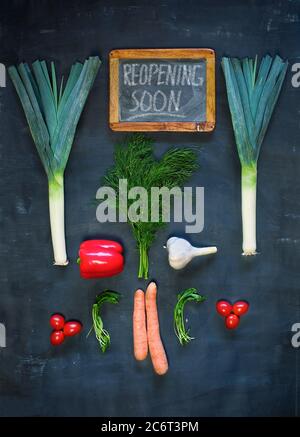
<point x="116" y="55"/>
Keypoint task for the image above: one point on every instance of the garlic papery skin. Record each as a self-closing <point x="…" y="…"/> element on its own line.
<point x="181" y="252"/>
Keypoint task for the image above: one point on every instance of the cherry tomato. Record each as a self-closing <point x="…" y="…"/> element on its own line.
<point x="232" y="321"/>
<point x="223" y="307"/>
<point x="57" y="322"/>
<point x="240" y="307"/>
<point x="72" y="328"/>
<point x="57" y="337"/>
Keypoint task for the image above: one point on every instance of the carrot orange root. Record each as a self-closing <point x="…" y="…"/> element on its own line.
<point x="156" y="348"/>
<point x="140" y="341"/>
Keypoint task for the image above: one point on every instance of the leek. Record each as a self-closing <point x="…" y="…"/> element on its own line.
<point x="252" y="94"/>
<point x="52" y="114"/>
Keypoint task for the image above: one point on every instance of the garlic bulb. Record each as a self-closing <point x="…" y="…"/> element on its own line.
<point x="181" y="252"/>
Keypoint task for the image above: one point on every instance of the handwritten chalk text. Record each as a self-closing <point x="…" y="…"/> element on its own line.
<point x="162" y="74"/>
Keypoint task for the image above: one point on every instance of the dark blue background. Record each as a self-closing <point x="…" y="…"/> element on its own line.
<point x="251" y="371"/>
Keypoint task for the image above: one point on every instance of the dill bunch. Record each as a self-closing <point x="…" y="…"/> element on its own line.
<point x="134" y="161"/>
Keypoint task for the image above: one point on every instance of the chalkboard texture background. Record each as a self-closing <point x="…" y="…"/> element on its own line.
<point x="190" y="99"/>
<point x="252" y="371"/>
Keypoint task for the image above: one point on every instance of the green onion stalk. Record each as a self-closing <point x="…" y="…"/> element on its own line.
<point x="188" y="295"/>
<point x="102" y="335"/>
<point x="52" y="113"/>
<point x="252" y="95"/>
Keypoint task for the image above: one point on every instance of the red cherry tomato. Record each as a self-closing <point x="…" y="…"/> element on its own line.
<point x="57" y="322"/>
<point x="223" y="307"/>
<point x="232" y="321"/>
<point x="57" y="337"/>
<point x="240" y="307"/>
<point x="72" y="328"/>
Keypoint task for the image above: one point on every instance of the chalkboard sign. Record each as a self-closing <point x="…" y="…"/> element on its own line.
<point x="162" y="90"/>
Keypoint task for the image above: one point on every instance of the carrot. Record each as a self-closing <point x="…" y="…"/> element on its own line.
<point x="156" y="348"/>
<point x="140" y="341"/>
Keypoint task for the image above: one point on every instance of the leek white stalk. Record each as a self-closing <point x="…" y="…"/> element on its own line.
<point x="57" y="221"/>
<point x="252" y="95"/>
<point x="249" y="177"/>
<point x="52" y="114"/>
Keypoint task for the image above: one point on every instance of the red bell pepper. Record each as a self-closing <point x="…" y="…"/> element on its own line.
<point x="100" y="259"/>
